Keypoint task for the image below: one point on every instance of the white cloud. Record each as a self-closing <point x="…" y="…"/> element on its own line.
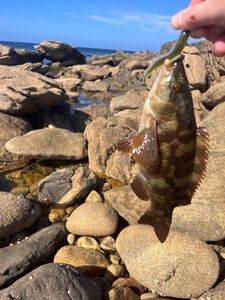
<point x="145" y="21"/>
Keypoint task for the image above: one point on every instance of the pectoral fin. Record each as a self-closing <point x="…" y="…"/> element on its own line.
<point x="140" y="188"/>
<point x="143" y="146"/>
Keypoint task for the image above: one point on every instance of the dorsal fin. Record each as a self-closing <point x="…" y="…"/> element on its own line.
<point x="143" y="146"/>
<point x="201" y="158"/>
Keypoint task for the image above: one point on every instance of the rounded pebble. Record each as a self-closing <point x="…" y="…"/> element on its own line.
<point x="71" y="239"/>
<point x="108" y="244"/>
<point x="88" y="261"/>
<point x="93" y="219"/>
<point x="87" y="242"/>
<point x="93" y="197"/>
<point x="181" y="267"/>
<point x="114" y="271"/>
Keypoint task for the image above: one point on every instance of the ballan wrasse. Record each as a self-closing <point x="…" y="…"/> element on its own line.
<point x="171" y="152"/>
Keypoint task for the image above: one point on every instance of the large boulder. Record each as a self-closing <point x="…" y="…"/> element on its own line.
<point x="60" y="52"/>
<point x="10" y="56"/>
<point x="24" y="92"/>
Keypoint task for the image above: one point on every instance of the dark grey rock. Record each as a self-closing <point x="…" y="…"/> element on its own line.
<point x="52" y="282"/>
<point x="37" y="249"/>
<point x="16" y="213"/>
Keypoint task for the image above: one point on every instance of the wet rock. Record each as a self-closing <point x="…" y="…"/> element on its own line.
<point x="103" y="136"/>
<point x="94" y="219"/>
<point x="126" y="203"/>
<point x="174" y="268"/>
<point x="11" y="127"/>
<point x="87" y="261"/>
<point x="60" y="52"/>
<point x="24" y="92"/>
<point x="49" y="143"/>
<point x="214" y="95"/>
<point x="33" y="251"/>
<point x="16" y="213"/>
<point x="73" y="184"/>
<point x="42" y="283"/>
<point x="89" y="72"/>
<point x="95" y="86"/>
<point x="195" y="68"/>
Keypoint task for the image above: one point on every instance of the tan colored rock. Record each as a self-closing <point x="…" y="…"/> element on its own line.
<point x="69" y="83"/>
<point x="87" y="242"/>
<point x="90" y="72"/>
<point x="108" y="244"/>
<point x="93" y="219"/>
<point x="114" y="271"/>
<point x="136" y="64"/>
<point x="95" y="86"/>
<point x="214" y="95"/>
<point x="195" y="68"/>
<point x="87" y="261"/>
<point x="103" y="136"/>
<point x="126" y="203"/>
<point x="122" y="293"/>
<point x="24" y="92"/>
<point x="93" y="197"/>
<point x="49" y="143"/>
<point x="175" y="268"/>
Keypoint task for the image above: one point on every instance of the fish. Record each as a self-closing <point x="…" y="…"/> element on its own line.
<point x="170" y="152"/>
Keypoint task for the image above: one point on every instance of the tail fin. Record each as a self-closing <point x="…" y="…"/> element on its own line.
<point x="161" y="225"/>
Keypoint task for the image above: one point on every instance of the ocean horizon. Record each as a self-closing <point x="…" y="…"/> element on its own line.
<point x="87" y="51"/>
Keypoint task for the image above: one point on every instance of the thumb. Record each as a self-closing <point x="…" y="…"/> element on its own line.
<point x="201" y="14"/>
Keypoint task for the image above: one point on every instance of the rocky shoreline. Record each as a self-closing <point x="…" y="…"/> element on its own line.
<point x="67" y="213"/>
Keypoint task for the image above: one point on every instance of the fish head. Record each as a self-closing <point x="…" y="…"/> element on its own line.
<point x="170" y="93"/>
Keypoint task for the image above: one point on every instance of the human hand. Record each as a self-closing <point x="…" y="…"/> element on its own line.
<point x="205" y="18"/>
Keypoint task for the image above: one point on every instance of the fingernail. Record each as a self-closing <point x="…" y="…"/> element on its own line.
<point x="177" y="21"/>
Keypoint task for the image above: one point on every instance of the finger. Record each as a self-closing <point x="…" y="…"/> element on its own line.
<point x="201" y="14"/>
<point x="219" y="46"/>
<point x="199" y="32"/>
<point x="214" y="33"/>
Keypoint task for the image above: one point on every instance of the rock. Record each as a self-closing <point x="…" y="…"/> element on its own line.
<point x="77" y="184"/>
<point x="136" y="64"/>
<point x="119" y="167"/>
<point x="126" y="203"/>
<point x="87" y="242"/>
<point x="35" y="67"/>
<point x="214" y="122"/>
<point x="204" y="221"/>
<point x="24" y="92"/>
<point x="122" y="293"/>
<point x="87" y="261"/>
<point x="214" y="95"/>
<point x="103" y="136"/>
<point x="11" y="127"/>
<point x="57" y="214"/>
<point x="93" y="197"/>
<point x="131" y="100"/>
<point x="95" y="86"/>
<point x="114" y="271"/>
<point x="85" y="220"/>
<point x="33" y="251"/>
<point x="16" y="213"/>
<point x="55" y="186"/>
<point x="174" y="268"/>
<point x="10" y="56"/>
<point x="89" y="72"/>
<point x="49" y="143"/>
<point x="95" y="111"/>
<point x="71" y="239"/>
<point x="52" y="282"/>
<point x="108" y="244"/>
<point x="60" y="52"/>
<point x="70" y="83"/>
<point x="195" y="68"/>
<point x="216" y="293"/>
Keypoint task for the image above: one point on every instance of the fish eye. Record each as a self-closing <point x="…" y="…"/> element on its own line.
<point x="176" y="86"/>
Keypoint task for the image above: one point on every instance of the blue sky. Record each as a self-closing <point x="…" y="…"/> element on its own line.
<point x="124" y="24"/>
